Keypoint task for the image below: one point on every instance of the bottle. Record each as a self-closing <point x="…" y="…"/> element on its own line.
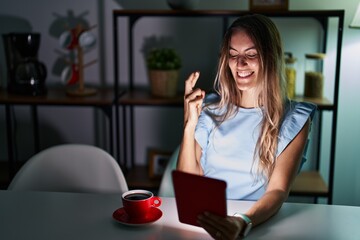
<point x="314" y="78"/>
<point x="290" y="74"/>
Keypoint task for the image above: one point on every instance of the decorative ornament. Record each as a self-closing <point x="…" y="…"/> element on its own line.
<point x="77" y="39"/>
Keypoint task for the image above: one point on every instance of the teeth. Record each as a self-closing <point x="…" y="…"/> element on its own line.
<point x="244" y="74"/>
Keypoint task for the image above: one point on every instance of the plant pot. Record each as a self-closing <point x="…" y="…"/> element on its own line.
<point x="163" y="82"/>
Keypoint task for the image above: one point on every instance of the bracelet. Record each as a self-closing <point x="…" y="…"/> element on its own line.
<point x="247" y="221"/>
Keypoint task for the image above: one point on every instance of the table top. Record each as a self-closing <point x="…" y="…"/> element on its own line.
<point x="50" y="215"/>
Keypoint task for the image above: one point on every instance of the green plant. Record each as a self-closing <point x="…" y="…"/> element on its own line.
<point x="163" y="59"/>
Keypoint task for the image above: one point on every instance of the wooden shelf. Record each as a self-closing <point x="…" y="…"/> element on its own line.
<point x="322" y="103"/>
<point x="144" y="97"/>
<point x="224" y="13"/>
<point x="309" y="183"/>
<point x="104" y="99"/>
<point x="58" y="96"/>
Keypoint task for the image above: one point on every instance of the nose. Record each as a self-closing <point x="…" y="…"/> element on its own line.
<point x="241" y="61"/>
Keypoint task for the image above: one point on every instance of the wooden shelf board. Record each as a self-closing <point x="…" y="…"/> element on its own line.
<point x="58" y="96"/>
<point x="234" y="13"/>
<point x="322" y="103"/>
<point x="144" y="97"/>
<point x="309" y="183"/>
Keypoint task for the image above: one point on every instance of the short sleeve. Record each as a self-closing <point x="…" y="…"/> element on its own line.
<point x="205" y="124"/>
<point x="202" y="130"/>
<point x="297" y="114"/>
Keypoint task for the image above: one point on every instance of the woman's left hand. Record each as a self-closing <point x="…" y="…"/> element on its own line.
<point x="220" y="227"/>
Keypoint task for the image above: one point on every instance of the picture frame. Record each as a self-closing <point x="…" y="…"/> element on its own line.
<point x="158" y="160"/>
<point x="269" y="5"/>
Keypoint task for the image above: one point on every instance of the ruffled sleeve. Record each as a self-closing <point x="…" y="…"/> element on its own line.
<point x="297" y="114"/>
<point x="205" y="124"/>
<point x="202" y="130"/>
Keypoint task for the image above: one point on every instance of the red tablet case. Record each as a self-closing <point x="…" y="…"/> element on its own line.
<point x="196" y="194"/>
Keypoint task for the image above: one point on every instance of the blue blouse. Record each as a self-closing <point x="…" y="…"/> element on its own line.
<point x="228" y="150"/>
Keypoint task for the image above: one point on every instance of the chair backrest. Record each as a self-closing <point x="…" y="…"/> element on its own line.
<point x="71" y="168"/>
<point x="166" y="188"/>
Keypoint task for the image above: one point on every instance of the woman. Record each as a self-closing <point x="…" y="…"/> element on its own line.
<point x="247" y="133"/>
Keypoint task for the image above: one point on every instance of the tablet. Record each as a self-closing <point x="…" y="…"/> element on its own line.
<point x="196" y="194"/>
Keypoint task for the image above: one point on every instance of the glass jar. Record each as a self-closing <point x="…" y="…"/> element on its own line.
<point x="314" y="78"/>
<point x="290" y="74"/>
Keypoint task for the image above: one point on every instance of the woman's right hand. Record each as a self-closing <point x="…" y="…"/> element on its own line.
<point x="193" y="99"/>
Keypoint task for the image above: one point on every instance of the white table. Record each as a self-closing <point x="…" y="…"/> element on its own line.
<point x="46" y="215"/>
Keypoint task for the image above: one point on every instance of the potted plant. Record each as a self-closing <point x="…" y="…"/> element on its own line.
<point x="163" y="68"/>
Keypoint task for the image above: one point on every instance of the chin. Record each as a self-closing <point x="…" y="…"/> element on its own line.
<point x="244" y="86"/>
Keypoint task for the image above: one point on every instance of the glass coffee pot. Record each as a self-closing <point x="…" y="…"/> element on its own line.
<point x="26" y="74"/>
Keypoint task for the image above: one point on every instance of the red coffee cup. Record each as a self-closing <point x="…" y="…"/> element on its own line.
<point x="138" y="203"/>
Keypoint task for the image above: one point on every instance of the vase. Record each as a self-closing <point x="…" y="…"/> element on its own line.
<point x="164" y="82"/>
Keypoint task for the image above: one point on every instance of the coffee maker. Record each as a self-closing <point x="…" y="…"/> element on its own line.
<point x="26" y="75"/>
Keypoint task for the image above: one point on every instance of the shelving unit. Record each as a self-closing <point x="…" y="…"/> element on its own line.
<point x="103" y="100"/>
<point x="307" y="183"/>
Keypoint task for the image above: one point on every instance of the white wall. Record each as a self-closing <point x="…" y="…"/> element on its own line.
<point x="347" y="185"/>
<point x="87" y="125"/>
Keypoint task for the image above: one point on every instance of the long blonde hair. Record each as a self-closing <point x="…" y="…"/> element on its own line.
<point x="267" y="40"/>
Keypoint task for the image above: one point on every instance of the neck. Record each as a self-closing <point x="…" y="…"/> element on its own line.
<point x="249" y="99"/>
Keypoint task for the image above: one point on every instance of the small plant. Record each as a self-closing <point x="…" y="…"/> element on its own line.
<point x="163" y="59"/>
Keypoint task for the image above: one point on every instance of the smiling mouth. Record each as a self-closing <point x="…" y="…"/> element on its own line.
<point x="244" y="74"/>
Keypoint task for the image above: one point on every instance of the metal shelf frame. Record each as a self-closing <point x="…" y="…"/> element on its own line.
<point x="134" y="15"/>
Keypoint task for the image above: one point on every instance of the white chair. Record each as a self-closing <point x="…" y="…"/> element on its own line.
<point x="71" y="168"/>
<point x="166" y="188"/>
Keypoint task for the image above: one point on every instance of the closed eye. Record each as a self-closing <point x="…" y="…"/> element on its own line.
<point x="251" y="56"/>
